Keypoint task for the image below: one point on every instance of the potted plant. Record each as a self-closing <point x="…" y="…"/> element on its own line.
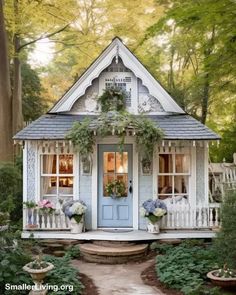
<point x="30" y="205"/>
<point x="153" y="210"/>
<point x="75" y="210"/>
<point x="38" y="269"/>
<point x="225" y="245"/>
<point x="224" y="277"/>
<point x="116" y="189"/>
<point x="46" y="207"/>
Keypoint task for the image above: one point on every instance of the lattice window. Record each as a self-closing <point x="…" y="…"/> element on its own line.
<point x="173" y="175"/>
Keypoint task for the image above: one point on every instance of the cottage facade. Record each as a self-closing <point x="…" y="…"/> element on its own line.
<point x="178" y="173"/>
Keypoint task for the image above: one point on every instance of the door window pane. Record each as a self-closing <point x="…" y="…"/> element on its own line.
<point x="108" y="162"/>
<point x="66" y="164"/>
<point x="49" y="163"/>
<point x="122" y="162"/>
<point x="115" y="173"/>
<point x="165" y="163"/>
<point x="108" y="178"/>
<point x="182" y="163"/>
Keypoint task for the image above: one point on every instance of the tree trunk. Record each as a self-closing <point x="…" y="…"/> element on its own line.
<point x="205" y="98"/>
<point x="17" y="115"/>
<point x="6" y="144"/>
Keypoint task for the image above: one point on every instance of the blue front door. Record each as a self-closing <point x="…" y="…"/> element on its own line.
<point x="115" y="186"/>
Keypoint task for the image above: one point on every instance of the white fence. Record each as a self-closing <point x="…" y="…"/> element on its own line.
<point x="34" y="219"/>
<point x="179" y="216"/>
<point x="183" y="216"/>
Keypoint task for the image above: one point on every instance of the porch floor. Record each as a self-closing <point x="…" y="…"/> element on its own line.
<point x="134" y="235"/>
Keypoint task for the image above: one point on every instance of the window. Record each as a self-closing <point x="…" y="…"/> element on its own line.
<point x="173" y="175"/>
<point x="115" y="167"/>
<point x="57" y="176"/>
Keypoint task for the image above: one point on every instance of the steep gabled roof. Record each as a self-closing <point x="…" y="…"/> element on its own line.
<point x="115" y="49"/>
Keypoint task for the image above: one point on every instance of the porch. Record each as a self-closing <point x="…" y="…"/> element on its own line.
<point x="182" y="221"/>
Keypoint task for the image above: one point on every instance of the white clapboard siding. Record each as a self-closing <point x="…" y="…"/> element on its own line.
<point x="181" y="215"/>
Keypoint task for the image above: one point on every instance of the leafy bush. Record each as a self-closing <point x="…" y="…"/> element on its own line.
<point x="225" y="243"/>
<point x="14" y="255"/>
<point x="161" y="248"/>
<point x="11" y="189"/>
<point x="63" y="274"/>
<point x="74" y="251"/>
<point x="184" y="267"/>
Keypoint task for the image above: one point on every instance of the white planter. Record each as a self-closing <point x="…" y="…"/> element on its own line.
<point x="76" y="228"/>
<point x="153" y="228"/>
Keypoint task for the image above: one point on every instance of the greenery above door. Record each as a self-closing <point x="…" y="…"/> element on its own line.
<point x="114" y="120"/>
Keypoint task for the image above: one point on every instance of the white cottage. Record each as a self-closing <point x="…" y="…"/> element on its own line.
<point x="178" y="173"/>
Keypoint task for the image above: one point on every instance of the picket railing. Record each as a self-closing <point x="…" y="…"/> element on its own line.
<point x="184" y="216"/>
<point x="179" y="216"/>
<point x="34" y="219"/>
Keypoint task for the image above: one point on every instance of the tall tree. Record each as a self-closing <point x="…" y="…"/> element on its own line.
<point x="26" y="23"/>
<point x="5" y="95"/>
<point x="99" y="22"/>
<point x="198" y="40"/>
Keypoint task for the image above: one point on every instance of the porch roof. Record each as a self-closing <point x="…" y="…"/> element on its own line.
<point x="175" y="127"/>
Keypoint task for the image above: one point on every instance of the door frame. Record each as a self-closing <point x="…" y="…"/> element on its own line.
<point x="115" y="140"/>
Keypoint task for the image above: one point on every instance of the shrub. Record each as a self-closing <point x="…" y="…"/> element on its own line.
<point x="184" y="267"/>
<point x="14" y="255"/>
<point x="74" y="251"/>
<point x="225" y="243"/>
<point x="11" y="190"/>
<point x="63" y="274"/>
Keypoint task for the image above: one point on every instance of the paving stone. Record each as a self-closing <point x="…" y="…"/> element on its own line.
<point x="122" y="279"/>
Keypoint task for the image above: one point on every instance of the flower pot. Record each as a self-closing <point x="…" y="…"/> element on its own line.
<point x="221" y="281"/>
<point x="153" y="228"/>
<point x="38" y="276"/>
<point x="76" y="228"/>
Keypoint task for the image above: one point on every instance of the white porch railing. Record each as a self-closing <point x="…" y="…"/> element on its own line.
<point x="179" y="216"/>
<point x="34" y="219"/>
<point x="183" y="216"/>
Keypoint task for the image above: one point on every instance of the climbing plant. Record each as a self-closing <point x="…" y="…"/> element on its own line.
<point x="112" y="99"/>
<point x="147" y="134"/>
<point x="114" y="120"/>
<point x="82" y="137"/>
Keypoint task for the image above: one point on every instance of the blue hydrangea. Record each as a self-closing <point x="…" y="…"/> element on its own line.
<point x="150" y="205"/>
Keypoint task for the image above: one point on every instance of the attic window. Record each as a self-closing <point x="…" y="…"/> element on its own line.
<point x="122" y="86"/>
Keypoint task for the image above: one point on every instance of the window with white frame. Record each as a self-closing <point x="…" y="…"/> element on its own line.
<point x="57" y="176"/>
<point x="173" y="175"/>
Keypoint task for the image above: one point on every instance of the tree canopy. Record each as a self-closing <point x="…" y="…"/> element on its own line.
<point x="188" y="45"/>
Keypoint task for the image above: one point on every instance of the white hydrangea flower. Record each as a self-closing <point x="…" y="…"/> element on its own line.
<point x="143" y="212"/>
<point x="159" y="212"/>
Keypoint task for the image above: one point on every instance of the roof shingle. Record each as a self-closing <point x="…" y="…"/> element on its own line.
<point x="175" y="127"/>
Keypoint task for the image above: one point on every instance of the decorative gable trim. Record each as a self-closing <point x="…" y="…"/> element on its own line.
<point x="115" y="49"/>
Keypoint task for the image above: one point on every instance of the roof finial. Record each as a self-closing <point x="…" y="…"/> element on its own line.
<point x="117" y="53"/>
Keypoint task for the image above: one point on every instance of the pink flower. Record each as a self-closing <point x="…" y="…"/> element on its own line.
<point x="45" y="204"/>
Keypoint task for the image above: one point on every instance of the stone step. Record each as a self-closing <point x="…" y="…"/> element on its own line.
<point x="113" y="255"/>
<point x="113" y="243"/>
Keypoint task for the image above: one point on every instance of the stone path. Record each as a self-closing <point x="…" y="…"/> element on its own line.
<point x="119" y="279"/>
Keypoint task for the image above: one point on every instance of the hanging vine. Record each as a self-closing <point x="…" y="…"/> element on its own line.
<point x="115" y="121"/>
